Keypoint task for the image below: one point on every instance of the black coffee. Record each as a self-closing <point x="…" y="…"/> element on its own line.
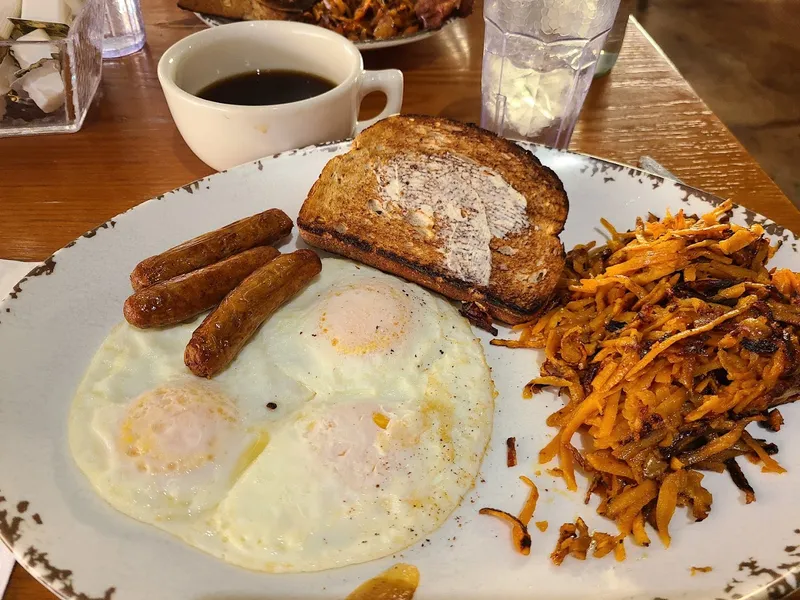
<point x="263" y="88"/>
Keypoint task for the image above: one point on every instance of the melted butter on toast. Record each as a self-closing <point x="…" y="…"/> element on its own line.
<point x="454" y="202"/>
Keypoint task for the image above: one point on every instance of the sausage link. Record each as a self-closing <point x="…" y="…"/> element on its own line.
<point x="185" y="296"/>
<point x="262" y="229"/>
<point x="223" y="333"/>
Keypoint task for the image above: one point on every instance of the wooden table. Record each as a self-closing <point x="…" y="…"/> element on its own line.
<point x="55" y="188"/>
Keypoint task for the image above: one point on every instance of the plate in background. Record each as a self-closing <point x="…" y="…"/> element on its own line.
<point x="213" y="21"/>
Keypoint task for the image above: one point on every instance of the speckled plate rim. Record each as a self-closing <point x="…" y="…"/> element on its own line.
<point x="18" y="518"/>
<point x="213" y="21"/>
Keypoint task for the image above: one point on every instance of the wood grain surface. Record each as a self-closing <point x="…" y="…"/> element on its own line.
<point x="54" y="188"/>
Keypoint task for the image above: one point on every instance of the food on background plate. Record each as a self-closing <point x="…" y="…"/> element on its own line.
<point x="398" y="582"/>
<point x="359" y="412"/>
<point x="228" y="327"/>
<point x="248" y="10"/>
<point x="668" y="341"/>
<point x="448" y="206"/>
<point x="357" y="20"/>
<point x="361" y="20"/>
<point x="186" y="296"/>
<point x="262" y="229"/>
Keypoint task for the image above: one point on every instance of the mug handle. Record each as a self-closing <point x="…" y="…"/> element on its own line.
<point x="390" y="82"/>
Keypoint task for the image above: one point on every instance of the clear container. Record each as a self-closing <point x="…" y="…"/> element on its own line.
<point x="57" y="90"/>
<point x="124" y="28"/>
<point x="610" y="51"/>
<point x="538" y="60"/>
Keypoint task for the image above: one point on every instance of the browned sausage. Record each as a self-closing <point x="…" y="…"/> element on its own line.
<point x="226" y="330"/>
<point x="259" y="230"/>
<point x="185" y="296"/>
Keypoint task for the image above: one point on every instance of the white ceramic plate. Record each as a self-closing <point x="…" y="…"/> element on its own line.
<point x="78" y="546"/>
<point x="213" y="21"/>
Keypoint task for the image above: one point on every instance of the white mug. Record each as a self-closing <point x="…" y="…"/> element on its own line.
<point x="225" y="135"/>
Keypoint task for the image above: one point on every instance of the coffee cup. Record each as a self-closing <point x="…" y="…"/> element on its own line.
<point x="225" y="135"/>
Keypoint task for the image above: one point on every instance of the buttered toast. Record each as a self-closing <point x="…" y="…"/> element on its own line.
<point x="446" y="205"/>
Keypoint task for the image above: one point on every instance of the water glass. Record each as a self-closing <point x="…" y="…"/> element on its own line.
<point x="124" y="28"/>
<point x="610" y="51"/>
<point x="538" y="60"/>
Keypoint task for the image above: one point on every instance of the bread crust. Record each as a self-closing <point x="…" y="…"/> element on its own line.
<point x="453" y="289"/>
<point x="249" y="10"/>
<point x="334" y="216"/>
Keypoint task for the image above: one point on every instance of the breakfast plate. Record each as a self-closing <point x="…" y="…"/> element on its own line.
<point x="213" y="21"/>
<point x="79" y="547"/>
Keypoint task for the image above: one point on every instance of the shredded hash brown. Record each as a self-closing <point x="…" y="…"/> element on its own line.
<point x="363" y="20"/>
<point x="519" y="525"/>
<point x="668" y="342"/>
<point x="360" y="20"/>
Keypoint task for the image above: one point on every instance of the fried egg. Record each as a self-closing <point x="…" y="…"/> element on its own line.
<point x="384" y="411"/>
<point x="357" y="329"/>
<point x="158" y="443"/>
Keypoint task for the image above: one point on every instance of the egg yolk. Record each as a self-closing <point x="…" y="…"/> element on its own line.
<point x="176" y="429"/>
<point x="363" y="443"/>
<point x="344" y="440"/>
<point x="367" y="319"/>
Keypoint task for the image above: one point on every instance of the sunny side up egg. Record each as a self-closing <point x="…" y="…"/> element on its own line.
<point x="384" y="411"/>
<point x="160" y="444"/>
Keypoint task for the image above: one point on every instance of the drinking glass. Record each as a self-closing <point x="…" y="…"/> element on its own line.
<point x="124" y="28"/>
<point x="610" y="51"/>
<point x="538" y="60"/>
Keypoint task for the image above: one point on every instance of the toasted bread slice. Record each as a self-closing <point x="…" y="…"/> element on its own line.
<point x="447" y="205"/>
<point x="249" y="10"/>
